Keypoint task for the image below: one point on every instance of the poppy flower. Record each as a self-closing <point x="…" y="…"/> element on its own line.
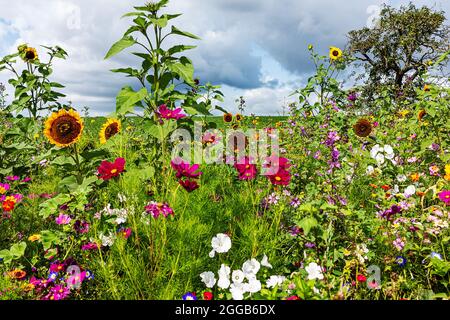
<point x="189" y="185"/>
<point x="108" y="170"/>
<point x="385" y="187"/>
<point x="184" y="169"/>
<point x="165" y="113"/>
<point x="109" y="129"/>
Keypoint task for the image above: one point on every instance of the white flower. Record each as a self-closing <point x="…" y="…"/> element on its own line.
<point x="275" y="281"/>
<point x="253" y="286"/>
<point x="221" y="243"/>
<point x="208" y="279"/>
<point x="251" y="268"/>
<point x="376" y="148"/>
<point x="410" y="190"/>
<point x="380" y="158"/>
<point x="265" y="262"/>
<point x="370" y="170"/>
<point x="224" y="277"/>
<point x="388" y="150"/>
<point x="237" y="291"/>
<point x="237" y="276"/>
<point x="401" y="178"/>
<point x="107" y="241"/>
<point x="314" y="271"/>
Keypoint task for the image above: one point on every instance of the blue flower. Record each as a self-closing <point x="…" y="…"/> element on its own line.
<point x="189" y="296"/>
<point x="436" y="255"/>
<point x="401" y="261"/>
<point x="89" y="275"/>
<point x="52" y="276"/>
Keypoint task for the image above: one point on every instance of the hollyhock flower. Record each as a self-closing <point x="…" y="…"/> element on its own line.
<point x="251" y="268"/>
<point x="314" y="271"/>
<point x="208" y="295"/>
<point x="165" y="113"/>
<point x="108" y="170"/>
<point x="275" y="281"/>
<point x="125" y="232"/>
<point x="332" y="138"/>
<point x="183" y="169"/>
<point x="246" y="170"/>
<point x="63" y="219"/>
<point x="4" y="187"/>
<point x="221" y="243"/>
<point x="89" y="246"/>
<point x="156" y="209"/>
<point x="208" y="279"/>
<point x="189" y="185"/>
<point x="445" y="196"/>
<point x="361" y="278"/>
<point x="224" y="277"/>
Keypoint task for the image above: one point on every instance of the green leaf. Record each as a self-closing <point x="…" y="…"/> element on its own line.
<point x="175" y="30"/>
<point x="184" y="71"/>
<point x="179" y="48"/>
<point x="307" y="224"/>
<point x="119" y="46"/>
<point x="51" y="206"/>
<point x="127" y="99"/>
<point x="48" y="238"/>
<point x="6" y="256"/>
<point x="18" y="250"/>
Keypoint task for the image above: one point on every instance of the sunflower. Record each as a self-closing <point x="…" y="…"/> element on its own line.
<point x="362" y="128"/>
<point x="109" y="129"/>
<point x="29" y="54"/>
<point x="64" y="128"/>
<point x="238" y="117"/>
<point x="335" y="53"/>
<point x="227" y="117"/>
<point x="421" y="114"/>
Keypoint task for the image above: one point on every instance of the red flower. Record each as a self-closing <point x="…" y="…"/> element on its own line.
<point x="385" y="187"/>
<point x="8" y="205"/>
<point x="183" y="169"/>
<point x="282" y="177"/>
<point x="189" y="185"/>
<point x="208" y="295"/>
<point x="247" y="171"/>
<point x="277" y="170"/>
<point x="361" y="278"/>
<point x="293" y="298"/>
<point x="108" y="170"/>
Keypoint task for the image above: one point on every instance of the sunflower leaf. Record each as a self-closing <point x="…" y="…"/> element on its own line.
<point x="128" y="98"/>
<point x="119" y="46"/>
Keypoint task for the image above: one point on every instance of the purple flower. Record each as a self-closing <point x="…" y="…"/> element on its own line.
<point x="189" y="296"/>
<point x="63" y="219"/>
<point x="89" y="246"/>
<point x="295" y="202"/>
<point x="12" y="178"/>
<point x="81" y="226"/>
<point x="352" y="96"/>
<point x="157" y="209"/>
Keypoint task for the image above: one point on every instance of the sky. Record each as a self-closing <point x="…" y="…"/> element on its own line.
<point x="251" y="48"/>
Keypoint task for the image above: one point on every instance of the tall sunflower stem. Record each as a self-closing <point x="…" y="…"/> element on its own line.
<point x="78" y="164"/>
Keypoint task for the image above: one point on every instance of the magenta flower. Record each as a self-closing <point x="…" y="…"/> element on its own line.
<point x="63" y="219"/>
<point x="445" y="196"/>
<point x="57" y="267"/>
<point x="184" y="169"/>
<point x="246" y="170"/>
<point x="12" y="178"/>
<point x="165" y="113"/>
<point x="81" y="226"/>
<point x="125" y="232"/>
<point x="4" y="187"/>
<point x="157" y="209"/>
<point x="27" y="179"/>
<point x="189" y="185"/>
<point x="89" y="246"/>
<point x="59" y="292"/>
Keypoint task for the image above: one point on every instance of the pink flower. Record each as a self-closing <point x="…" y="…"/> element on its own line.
<point x="89" y="246"/>
<point x="399" y="244"/>
<point x="125" y="232"/>
<point x="157" y="209"/>
<point x="4" y="187"/>
<point x="445" y="196"/>
<point x="12" y="178"/>
<point x="63" y="219"/>
<point x="59" y="292"/>
<point x="189" y="185"/>
<point x="27" y="179"/>
<point x="246" y="170"/>
<point x="165" y="113"/>
<point x="210" y="137"/>
<point x="183" y="169"/>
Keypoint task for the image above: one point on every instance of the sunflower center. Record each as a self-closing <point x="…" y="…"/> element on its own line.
<point x="335" y="53"/>
<point x="65" y="129"/>
<point x="30" y="55"/>
<point x="111" y="130"/>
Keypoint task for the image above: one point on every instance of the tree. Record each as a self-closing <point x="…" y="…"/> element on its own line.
<point x="400" y="48"/>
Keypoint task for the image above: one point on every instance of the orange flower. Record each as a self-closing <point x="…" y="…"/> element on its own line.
<point x="373" y="185"/>
<point x="415" y="177"/>
<point x="420" y="193"/>
<point x="9" y="203"/>
<point x="17" y="274"/>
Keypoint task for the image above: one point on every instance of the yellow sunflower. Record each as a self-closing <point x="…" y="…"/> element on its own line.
<point x="109" y="129"/>
<point x="29" y="54"/>
<point x="335" y="53"/>
<point x="227" y="117"/>
<point x="238" y="117"/>
<point x="421" y="114"/>
<point x="64" y="128"/>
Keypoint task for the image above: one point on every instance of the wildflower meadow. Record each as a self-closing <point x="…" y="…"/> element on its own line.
<point x="174" y="197"/>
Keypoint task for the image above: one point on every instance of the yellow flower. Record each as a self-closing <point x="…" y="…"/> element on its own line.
<point x="109" y="129"/>
<point x="447" y="172"/>
<point x="426" y="88"/>
<point x="335" y="53"/>
<point x="64" y="128"/>
<point x="415" y="177"/>
<point x="34" y="237"/>
<point x="403" y="113"/>
<point x="29" y="54"/>
<point x="421" y="114"/>
<point x="238" y="117"/>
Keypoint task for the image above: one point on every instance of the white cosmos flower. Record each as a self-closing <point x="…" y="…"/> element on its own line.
<point x="314" y="271"/>
<point x="237" y="291"/>
<point x="251" y="268"/>
<point x="275" y="281"/>
<point x="224" y="277"/>
<point x="208" y="279"/>
<point x="380" y="158"/>
<point x="221" y="243"/>
<point x="265" y="262"/>
<point x="237" y="276"/>
<point x="410" y="190"/>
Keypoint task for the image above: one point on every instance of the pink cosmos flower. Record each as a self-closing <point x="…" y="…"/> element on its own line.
<point x="445" y="196"/>
<point x="89" y="246"/>
<point x="184" y="169"/>
<point x="156" y="209"/>
<point x="246" y="170"/>
<point x="125" y="232"/>
<point x="63" y="219"/>
<point x="165" y="113"/>
<point x="59" y="292"/>
<point x="189" y="185"/>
